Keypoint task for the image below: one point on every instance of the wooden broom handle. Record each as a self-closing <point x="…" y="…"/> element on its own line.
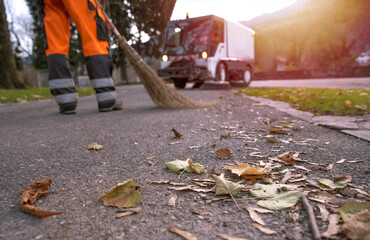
<point x="110" y="24"/>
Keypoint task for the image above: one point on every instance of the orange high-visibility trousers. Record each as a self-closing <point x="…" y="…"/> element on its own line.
<point x="89" y="21"/>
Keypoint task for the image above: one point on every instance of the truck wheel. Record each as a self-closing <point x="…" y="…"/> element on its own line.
<point x="245" y="81"/>
<point x="247" y="77"/>
<point x="222" y="74"/>
<point x="180" y="83"/>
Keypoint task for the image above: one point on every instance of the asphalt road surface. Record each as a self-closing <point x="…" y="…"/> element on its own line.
<point x="37" y="142"/>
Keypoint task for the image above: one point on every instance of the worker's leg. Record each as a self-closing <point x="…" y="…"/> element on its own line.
<point x="56" y="23"/>
<point x="94" y="35"/>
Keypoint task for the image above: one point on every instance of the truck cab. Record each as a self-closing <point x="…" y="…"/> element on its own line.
<point x="207" y="48"/>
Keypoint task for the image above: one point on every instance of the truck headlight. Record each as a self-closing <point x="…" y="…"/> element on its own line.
<point x="204" y="55"/>
<point x="164" y="58"/>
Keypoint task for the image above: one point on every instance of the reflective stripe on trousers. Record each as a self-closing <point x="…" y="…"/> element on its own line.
<point x="60" y="81"/>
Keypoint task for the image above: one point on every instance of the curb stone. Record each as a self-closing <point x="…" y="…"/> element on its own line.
<point x="355" y="126"/>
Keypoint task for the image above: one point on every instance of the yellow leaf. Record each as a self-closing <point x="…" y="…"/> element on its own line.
<point x="245" y="169"/>
<point x="94" y="146"/>
<point x="123" y="195"/>
<point x="348" y="103"/>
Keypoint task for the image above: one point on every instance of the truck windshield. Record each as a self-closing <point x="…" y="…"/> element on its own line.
<point x="187" y="37"/>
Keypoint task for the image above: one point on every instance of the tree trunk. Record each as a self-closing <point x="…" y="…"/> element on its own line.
<point x="9" y="78"/>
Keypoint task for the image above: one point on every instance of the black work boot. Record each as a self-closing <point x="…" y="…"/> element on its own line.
<point x="67" y="108"/>
<point x="110" y="106"/>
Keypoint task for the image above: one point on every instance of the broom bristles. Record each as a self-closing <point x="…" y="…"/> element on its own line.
<point x="161" y="94"/>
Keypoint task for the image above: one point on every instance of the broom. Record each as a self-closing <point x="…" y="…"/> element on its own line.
<point x="161" y="94"/>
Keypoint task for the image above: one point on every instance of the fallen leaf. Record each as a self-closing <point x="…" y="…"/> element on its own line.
<point x="361" y="107"/>
<point x="264" y="229"/>
<point x="184" y="234"/>
<point x="179" y="166"/>
<point x="196" y="167"/>
<point x="226" y="134"/>
<point x="348" y="103"/>
<point x="225" y="187"/>
<point x="302" y="168"/>
<point x="286" y="177"/>
<point x="277" y="196"/>
<point x="192" y="188"/>
<point x="246" y="169"/>
<point x="227" y="237"/>
<point x="123" y="195"/>
<point x="272" y="139"/>
<point x="323" y="212"/>
<point x="279" y="130"/>
<point x="357" y="227"/>
<point x="30" y="195"/>
<point x="286" y="125"/>
<point x="288" y="160"/>
<point x="342" y="160"/>
<point x="254" y="216"/>
<point x="172" y="201"/>
<point x="160" y="181"/>
<point x="339" y="184"/>
<point x="349" y="210"/>
<point x="333" y="228"/>
<point x="128" y="211"/>
<point x="94" y="146"/>
<point x="199" y="212"/>
<point x="177" y="134"/>
<point x="124" y="214"/>
<point x="223" y="153"/>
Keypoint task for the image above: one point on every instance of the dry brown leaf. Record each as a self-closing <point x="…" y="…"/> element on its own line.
<point x="192" y="188"/>
<point x="30" y="195"/>
<point x="172" y="201"/>
<point x="245" y="169"/>
<point x="128" y="211"/>
<point x="226" y="134"/>
<point x="286" y="177"/>
<point x="124" y="214"/>
<point x="177" y="134"/>
<point x="333" y="228"/>
<point x="272" y="139"/>
<point x="223" y="153"/>
<point x="288" y="160"/>
<point x="227" y="237"/>
<point x="264" y="229"/>
<point x="303" y="168"/>
<point x="357" y="227"/>
<point x="199" y="212"/>
<point x="279" y="130"/>
<point x="324" y="212"/>
<point x="184" y="234"/>
<point x="254" y="216"/>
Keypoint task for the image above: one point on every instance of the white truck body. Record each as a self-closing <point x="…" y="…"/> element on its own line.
<point x="207" y="48"/>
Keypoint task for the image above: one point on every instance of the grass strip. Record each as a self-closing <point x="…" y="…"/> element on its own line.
<point x="34" y="94"/>
<point x="320" y="101"/>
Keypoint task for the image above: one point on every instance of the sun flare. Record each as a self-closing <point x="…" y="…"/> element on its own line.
<point x="236" y="10"/>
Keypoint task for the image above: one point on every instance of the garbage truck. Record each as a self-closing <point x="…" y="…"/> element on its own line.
<point x="207" y="48"/>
